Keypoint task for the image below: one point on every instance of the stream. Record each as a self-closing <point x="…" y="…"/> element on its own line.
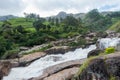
<point x="36" y="68"/>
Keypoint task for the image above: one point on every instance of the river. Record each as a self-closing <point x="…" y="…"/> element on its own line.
<point x="36" y="68"/>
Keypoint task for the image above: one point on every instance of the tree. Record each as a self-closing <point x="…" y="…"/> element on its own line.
<point x="49" y="19"/>
<point x="3" y="45"/>
<point x="52" y="21"/>
<point x="95" y="21"/>
<point x="38" y="24"/>
<point x="61" y="19"/>
<point x="20" y="28"/>
<point x="31" y="15"/>
<point x="56" y="21"/>
<point x="92" y="16"/>
<point x="70" y="21"/>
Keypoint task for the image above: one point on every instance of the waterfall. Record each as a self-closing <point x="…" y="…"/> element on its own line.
<point x="36" y="68"/>
<point x="108" y="42"/>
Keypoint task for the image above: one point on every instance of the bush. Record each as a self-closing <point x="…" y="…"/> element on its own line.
<point x="11" y="54"/>
<point x="109" y="50"/>
<point x="112" y="78"/>
<point x="83" y="67"/>
<point x="72" y="44"/>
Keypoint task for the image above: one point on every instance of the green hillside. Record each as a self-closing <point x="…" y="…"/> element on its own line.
<point x="26" y="23"/>
<point x="34" y="30"/>
<point x="115" y="27"/>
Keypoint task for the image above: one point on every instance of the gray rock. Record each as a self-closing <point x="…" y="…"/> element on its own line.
<point x="101" y="68"/>
<point x="95" y="52"/>
<point x="5" y="67"/>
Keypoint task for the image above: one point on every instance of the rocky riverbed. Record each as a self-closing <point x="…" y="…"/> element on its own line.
<point x="47" y="72"/>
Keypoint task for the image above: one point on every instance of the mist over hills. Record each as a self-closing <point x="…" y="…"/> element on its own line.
<point x="3" y="18"/>
<point x="61" y="14"/>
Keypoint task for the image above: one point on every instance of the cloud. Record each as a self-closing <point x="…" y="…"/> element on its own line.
<point x="52" y="7"/>
<point x="11" y="6"/>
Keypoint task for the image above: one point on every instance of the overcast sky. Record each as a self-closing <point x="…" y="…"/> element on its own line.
<point x="52" y="7"/>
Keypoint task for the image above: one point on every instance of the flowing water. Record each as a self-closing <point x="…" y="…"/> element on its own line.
<point x="109" y="42"/>
<point x="36" y="68"/>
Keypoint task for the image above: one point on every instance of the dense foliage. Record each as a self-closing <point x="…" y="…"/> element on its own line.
<point x="34" y="30"/>
<point x="96" y="21"/>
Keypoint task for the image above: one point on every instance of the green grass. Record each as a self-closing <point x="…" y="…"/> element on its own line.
<point x="84" y="66"/>
<point x="1" y="23"/>
<point x="112" y="78"/>
<point x="115" y="26"/>
<point x="10" y="53"/>
<point x="28" y="25"/>
<point x="46" y="23"/>
<point x="31" y="29"/>
<point x="109" y="50"/>
<point x="21" y="21"/>
<point x="38" y="50"/>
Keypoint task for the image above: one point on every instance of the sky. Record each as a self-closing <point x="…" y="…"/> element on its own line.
<point x="52" y="7"/>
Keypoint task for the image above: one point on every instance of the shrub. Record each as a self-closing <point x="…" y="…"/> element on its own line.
<point x="46" y="47"/>
<point x="10" y="54"/>
<point x="109" y="50"/>
<point x="112" y="78"/>
<point x="72" y="44"/>
<point x="83" y="67"/>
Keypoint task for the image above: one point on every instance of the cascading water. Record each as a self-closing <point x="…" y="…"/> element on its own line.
<point x="108" y="42"/>
<point x="35" y="69"/>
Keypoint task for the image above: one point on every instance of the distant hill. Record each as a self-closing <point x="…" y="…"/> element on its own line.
<point x="106" y="13"/>
<point x="63" y="14"/>
<point x="79" y="15"/>
<point x="3" y="18"/>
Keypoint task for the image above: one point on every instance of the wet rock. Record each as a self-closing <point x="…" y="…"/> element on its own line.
<point x="118" y="47"/>
<point x="101" y="68"/>
<point x="5" y="67"/>
<point x="27" y="59"/>
<point x="64" y="74"/>
<point x="91" y="35"/>
<point x="95" y="52"/>
<point x="62" y="67"/>
<point x="102" y="34"/>
<point x="24" y="48"/>
<point x="58" y="50"/>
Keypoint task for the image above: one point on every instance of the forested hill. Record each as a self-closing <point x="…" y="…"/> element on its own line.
<point x="33" y="30"/>
<point x="3" y="18"/>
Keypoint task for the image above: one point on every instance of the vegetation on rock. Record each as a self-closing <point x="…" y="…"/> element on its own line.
<point x="109" y="50"/>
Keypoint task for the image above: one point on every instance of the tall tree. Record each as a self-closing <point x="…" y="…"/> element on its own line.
<point x="56" y="21"/>
<point x="38" y="24"/>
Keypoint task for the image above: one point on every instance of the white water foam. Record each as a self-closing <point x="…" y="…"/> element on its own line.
<point x="108" y="42"/>
<point x="36" y="68"/>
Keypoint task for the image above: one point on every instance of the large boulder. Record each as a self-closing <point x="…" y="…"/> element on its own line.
<point x="64" y="74"/>
<point x="118" y="47"/>
<point x="101" y="68"/>
<point x="27" y="59"/>
<point x="95" y="52"/>
<point x="5" y="67"/>
<point x="102" y="34"/>
<point x="58" y="50"/>
<point x="68" y="68"/>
